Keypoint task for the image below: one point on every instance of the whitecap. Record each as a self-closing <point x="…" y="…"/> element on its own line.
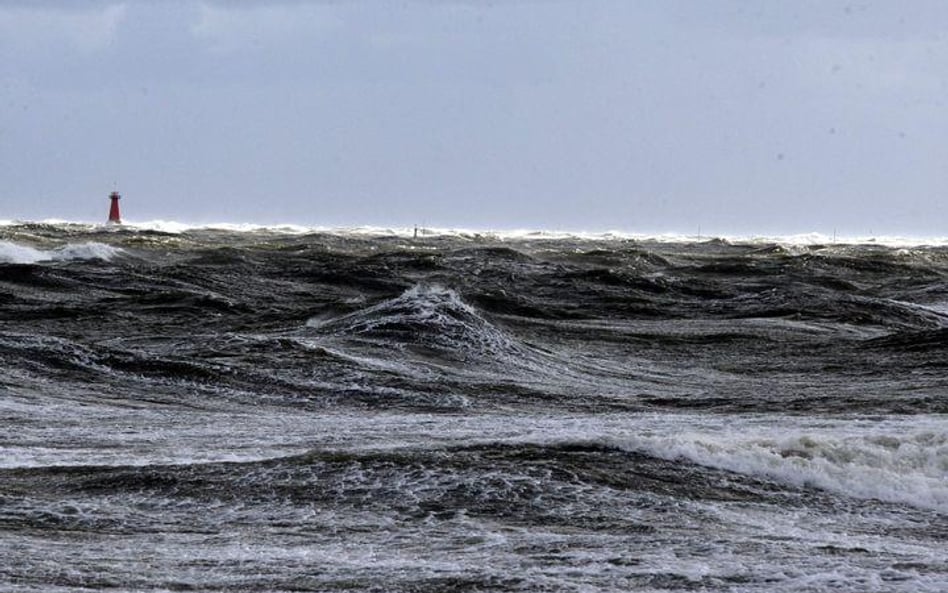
<point x="13" y="253"/>
<point x="906" y="467"/>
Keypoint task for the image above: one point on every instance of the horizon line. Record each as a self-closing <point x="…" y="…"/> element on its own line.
<point x="515" y="233"/>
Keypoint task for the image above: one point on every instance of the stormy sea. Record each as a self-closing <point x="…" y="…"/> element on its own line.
<point x="287" y="409"/>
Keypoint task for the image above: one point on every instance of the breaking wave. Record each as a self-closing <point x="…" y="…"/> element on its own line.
<point x="905" y="468"/>
<point x="12" y="253"/>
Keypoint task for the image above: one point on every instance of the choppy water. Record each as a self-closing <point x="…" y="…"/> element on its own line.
<point x="216" y="410"/>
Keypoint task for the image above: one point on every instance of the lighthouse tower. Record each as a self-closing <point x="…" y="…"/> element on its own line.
<point x="115" y="216"/>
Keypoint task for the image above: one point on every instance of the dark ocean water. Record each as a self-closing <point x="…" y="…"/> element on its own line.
<point x="214" y="410"/>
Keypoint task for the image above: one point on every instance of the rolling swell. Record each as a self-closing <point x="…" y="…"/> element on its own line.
<point x="635" y="325"/>
<point x="433" y="333"/>
<point x="597" y="508"/>
<point x="612" y="320"/>
<point x="525" y="482"/>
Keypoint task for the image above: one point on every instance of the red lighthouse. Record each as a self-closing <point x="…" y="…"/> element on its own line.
<point x="114" y="216"/>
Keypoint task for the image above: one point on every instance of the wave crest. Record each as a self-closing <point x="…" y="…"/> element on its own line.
<point x="425" y="315"/>
<point x="908" y="468"/>
<point x="13" y="253"/>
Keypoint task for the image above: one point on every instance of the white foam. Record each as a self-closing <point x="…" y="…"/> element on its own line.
<point x="423" y="302"/>
<point x="13" y="253"/>
<point x="909" y="467"/>
<point x="90" y="250"/>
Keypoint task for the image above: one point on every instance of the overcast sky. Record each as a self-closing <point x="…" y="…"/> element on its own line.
<point x="735" y="116"/>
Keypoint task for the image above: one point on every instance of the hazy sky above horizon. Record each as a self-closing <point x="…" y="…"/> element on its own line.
<point x="664" y="115"/>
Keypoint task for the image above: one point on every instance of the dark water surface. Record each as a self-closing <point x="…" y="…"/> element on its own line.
<point x="215" y="410"/>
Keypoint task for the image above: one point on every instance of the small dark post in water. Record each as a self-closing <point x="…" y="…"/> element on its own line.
<point x="115" y="216"/>
<point x="416" y="232"/>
